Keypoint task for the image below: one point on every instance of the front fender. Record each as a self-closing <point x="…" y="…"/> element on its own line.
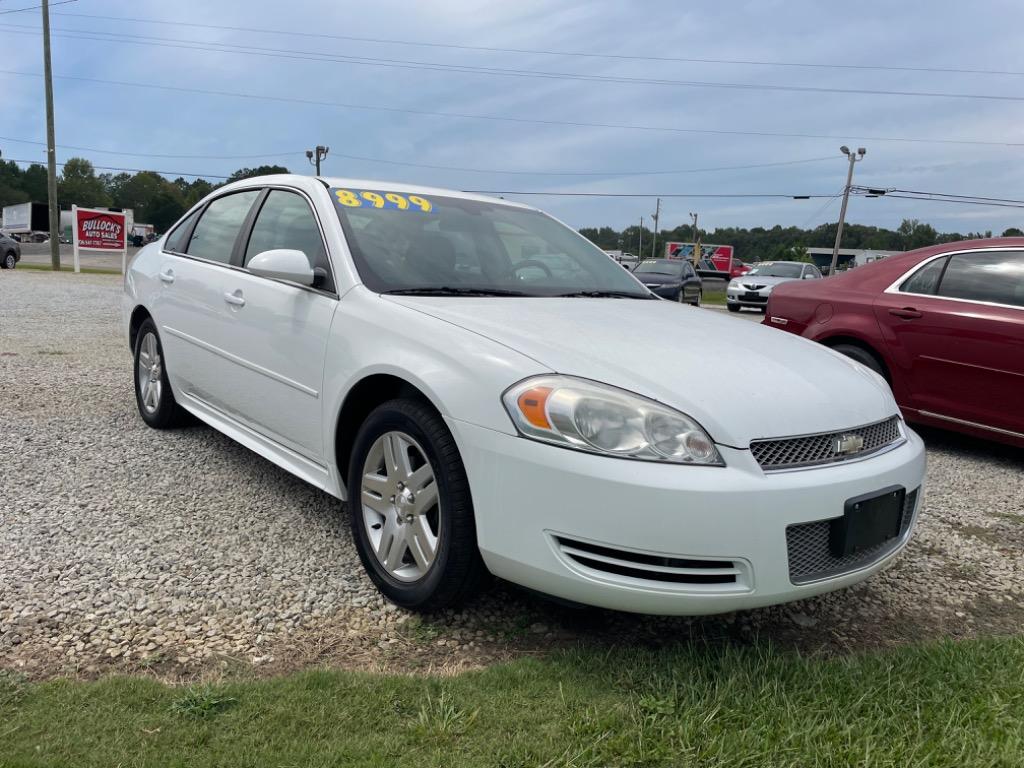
<point x="462" y="373"/>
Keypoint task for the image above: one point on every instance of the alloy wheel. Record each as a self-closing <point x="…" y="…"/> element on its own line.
<point x="401" y="506"/>
<point x="150" y="373"/>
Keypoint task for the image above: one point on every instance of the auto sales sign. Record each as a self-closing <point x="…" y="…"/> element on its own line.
<point x="100" y="230"/>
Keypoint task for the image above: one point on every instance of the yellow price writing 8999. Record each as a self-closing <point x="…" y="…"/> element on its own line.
<point x="366" y="198"/>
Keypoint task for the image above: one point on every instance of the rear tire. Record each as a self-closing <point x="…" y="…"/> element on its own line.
<point x="699" y="300"/>
<point x="10" y="260"/>
<point x="423" y="558"/>
<point x="862" y="356"/>
<point x="153" y="395"/>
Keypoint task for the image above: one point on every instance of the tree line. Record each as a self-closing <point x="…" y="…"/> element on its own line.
<point x="160" y="201"/>
<point x="761" y="243"/>
<point x="155" y="199"/>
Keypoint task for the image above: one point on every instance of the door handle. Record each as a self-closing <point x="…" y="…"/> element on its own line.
<point x="907" y="313"/>
<point x="235" y="299"/>
<point x="167" y="276"/>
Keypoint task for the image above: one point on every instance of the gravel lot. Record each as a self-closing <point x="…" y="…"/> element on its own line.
<point x="182" y="552"/>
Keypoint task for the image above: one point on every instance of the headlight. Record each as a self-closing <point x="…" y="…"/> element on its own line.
<point x="597" y="418"/>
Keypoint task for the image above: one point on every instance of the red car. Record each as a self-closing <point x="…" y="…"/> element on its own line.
<point x="944" y="325"/>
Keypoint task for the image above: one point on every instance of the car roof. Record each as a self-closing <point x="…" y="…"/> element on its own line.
<point x="304" y="182"/>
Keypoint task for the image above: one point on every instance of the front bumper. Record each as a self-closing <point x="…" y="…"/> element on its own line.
<point x="666" y="290"/>
<point x="747" y="298"/>
<point x="589" y="528"/>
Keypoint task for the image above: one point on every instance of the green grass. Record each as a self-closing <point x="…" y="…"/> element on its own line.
<point x="66" y="268"/>
<point x="951" y="704"/>
<point x="714" y="295"/>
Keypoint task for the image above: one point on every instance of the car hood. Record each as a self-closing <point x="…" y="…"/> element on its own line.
<point x="741" y="381"/>
<point x="765" y="280"/>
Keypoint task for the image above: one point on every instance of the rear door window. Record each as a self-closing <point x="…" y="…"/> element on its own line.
<point x="217" y="229"/>
<point x="992" y="276"/>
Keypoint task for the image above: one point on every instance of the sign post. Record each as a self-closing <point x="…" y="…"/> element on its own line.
<point x="98" y="230"/>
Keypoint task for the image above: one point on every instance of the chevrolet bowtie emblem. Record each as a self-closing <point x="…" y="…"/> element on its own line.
<point x="847" y="444"/>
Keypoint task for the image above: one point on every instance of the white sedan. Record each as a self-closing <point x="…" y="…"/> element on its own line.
<point x="490" y="393"/>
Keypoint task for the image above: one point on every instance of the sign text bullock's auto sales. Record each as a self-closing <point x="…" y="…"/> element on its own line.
<point x="101" y="230"/>
<point x="98" y="230"/>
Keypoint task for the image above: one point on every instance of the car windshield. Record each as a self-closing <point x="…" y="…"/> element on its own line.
<point x="660" y="267"/>
<point x="776" y="270"/>
<point x="435" y="245"/>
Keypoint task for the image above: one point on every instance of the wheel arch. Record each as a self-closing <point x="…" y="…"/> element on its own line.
<point x="139" y="315"/>
<point x="362" y="397"/>
<point x="856" y="341"/>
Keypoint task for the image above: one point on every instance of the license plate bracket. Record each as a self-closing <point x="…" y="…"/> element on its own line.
<point x="867" y="521"/>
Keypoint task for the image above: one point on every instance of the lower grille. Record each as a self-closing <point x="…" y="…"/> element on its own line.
<point x="808" y="450"/>
<point x="811" y="558"/>
<point x="648" y="566"/>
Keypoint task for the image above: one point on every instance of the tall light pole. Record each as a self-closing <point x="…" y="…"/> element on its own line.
<point x="316" y="155"/>
<point x="51" y="144"/>
<point x="854" y="157"/>
<point x="696" y="240"/>
<point x="640" y="247"/>
<point x="654" y="237"/>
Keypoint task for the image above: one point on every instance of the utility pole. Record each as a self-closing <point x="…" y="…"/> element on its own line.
<point x="51" y="144"/>
<point x="854" y="157"/>
<point x="640" y="247"/>
<point x="654" y="238"/>
<point x="320" y="154"/>
<point x="696" y="240"/>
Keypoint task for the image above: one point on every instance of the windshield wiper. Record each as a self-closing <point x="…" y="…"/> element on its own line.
<point x="445" y="290"/>
<point x="601" y="295"/>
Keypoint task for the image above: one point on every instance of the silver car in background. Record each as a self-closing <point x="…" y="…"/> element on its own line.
<point x="753" y="288"/>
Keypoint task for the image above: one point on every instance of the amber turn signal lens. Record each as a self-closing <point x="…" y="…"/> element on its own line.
<point x="532" y="405"/>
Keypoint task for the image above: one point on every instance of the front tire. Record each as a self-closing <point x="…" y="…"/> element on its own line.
<point x="153" y="395"/>
<point x="699" y="300"/>
<point x="733" y="307"/>
<point x="411" y="511"/>
<point x="10" y="260"/>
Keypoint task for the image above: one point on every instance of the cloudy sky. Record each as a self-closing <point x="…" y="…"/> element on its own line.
<point x="305" y="88"/>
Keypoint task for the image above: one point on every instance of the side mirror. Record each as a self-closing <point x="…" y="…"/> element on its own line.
<point x="809" y="276"/>
<point x="282" y="264"/>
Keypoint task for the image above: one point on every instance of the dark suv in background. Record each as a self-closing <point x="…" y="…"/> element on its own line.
<point x="671" y="279"/>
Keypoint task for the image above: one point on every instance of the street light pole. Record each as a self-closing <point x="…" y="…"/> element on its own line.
<point x="316" y="155"/>
<point x="696" y="240"/>
<point x="51" y="148"/>
<point x="854" y="157"/>
<point x="654" y="237"/>
<point x="640" y="247"/>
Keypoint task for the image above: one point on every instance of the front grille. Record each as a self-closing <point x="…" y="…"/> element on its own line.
<point x="811" y="558"/>
<point x="808" y="450"/>
<point x="753" y="286"/>
<point x="650" y="567"/>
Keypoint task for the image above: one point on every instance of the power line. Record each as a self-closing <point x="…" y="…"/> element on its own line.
<point x="383" y="161"/>
<point x="535" y="51"/>
<point x="519" y="120"/>
<point x="155" y="155"/>
<point x="519" y="73"/>
<point x="128" y="170"/>
<point x="778" y="195"/>
<point x="946" y="200"/>
<point x="37" y="7"/>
